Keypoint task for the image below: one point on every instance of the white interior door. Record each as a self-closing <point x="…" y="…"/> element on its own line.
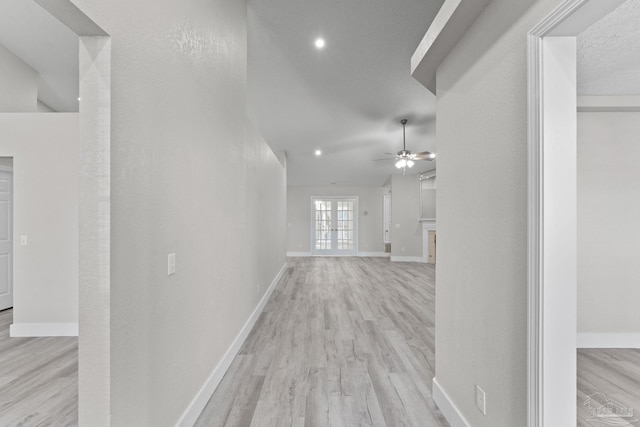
<point x="334" y="225"/>
<point x="6" y="240"/>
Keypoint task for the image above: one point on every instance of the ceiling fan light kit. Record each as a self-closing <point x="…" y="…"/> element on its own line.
<point x="405" y="159"/>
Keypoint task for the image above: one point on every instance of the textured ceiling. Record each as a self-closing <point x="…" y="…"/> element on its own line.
<point x="47" y="46"/>
<point x="609" y="53"/>
<point x="347" y="99"/>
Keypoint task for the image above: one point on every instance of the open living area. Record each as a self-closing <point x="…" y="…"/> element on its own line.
<point x="366" y="213"/>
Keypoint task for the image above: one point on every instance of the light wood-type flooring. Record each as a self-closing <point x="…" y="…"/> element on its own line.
<point x="615" y="373"/>
<point x="38" y="379"/>
<point x="341" y="342"/>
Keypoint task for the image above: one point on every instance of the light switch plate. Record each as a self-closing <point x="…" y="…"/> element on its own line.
<point x="24" y="240"/>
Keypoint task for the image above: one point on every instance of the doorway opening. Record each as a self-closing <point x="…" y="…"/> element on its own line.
<point x="334" y="226"/>
<point x="6" y="233"/>
<point x="91" y="113"/>
<point x="552" y="216"/>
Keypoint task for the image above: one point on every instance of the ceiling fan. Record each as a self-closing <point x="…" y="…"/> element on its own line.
<point x="405" y="159"/>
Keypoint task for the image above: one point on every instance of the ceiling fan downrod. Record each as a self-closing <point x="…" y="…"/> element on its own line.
<point x="404" y="139"/>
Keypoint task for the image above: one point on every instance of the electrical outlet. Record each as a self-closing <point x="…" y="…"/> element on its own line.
<point x="481" y="401"/>
<point x="171" y="264"/>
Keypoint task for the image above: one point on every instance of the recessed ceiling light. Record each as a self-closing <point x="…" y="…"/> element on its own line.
<point x="318" y="153"/>
<point x="320" y="43"/>
<point x="79" y="99"/>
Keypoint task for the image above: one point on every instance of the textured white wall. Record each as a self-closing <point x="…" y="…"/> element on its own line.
<point x="370" y="226"/>
<point x="481" y="288"/>
<point x="608" y="228"/>
<point x="18" y="84"/>
<point x="188" y="175"/>
<point x="44" y="148"/>
<point x="406" y="230"/>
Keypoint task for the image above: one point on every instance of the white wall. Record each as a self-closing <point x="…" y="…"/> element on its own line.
<point x="44" y="148"/>
<point x="608" y="228"/>
<point x="188" y="176"/>
<point x="428" y="198"/>
<point x="44" y="108"/>
<point x="18" y="84"/>
<point x="370" y="226"/>
<point x="406" y="230"/>
<point x="481" y="287"/>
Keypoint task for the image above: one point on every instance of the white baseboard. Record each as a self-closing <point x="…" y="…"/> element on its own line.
<point x="407" y="259"/>
<point x="359" y="254"/>
<point x="43" y="330"/>
<point x="447" y="407"/>
<point x="374" y="254"/>
<point x="198" y="403"/>
<point x="608" y="340"/>
<point x="299" y="254"/>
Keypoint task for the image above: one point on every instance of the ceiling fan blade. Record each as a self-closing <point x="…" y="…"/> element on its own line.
<point x="425" y="155"/>
<point x="424" y="159"/>
<point x="382" y="160"/>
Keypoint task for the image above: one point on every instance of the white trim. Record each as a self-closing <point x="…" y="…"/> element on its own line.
<point x="407" y="259"/>
<point x="609" y="340"/>
<point x="566" y="20"/>
<point x="193" y="411"/>
<point x="608" y="103"/>
<point x="298" y="254"/>
<point x="359" y="254"/>
<point x="447" y="407"/>
<point x="448" y="27"/>
<point x="374" y="254"/>
<point x="43" y="330"/>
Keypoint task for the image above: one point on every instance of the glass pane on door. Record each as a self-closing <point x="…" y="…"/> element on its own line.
<point x="345" y="224"/>
<point x="323" y="224"/>
<point x="334" y="225"/>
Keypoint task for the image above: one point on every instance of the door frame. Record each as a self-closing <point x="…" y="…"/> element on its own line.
<point x="312" y="240"/>
<point x="551" y="228"/>
<point x="9" y="169"/>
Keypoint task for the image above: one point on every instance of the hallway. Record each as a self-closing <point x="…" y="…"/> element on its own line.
<point x="342" y="341"/>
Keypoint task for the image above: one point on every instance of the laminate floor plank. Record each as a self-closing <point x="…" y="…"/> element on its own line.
<point x="608" y="374"/>
<point x="38" y="379"/>
<point x="341" y="342"/>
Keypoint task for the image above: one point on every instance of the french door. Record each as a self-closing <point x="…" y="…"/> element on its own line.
<point x="334" y="224"/>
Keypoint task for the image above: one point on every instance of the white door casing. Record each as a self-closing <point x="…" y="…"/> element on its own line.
<point x="387" y="219"/>
<point x="552" y="208"/>
<point x="334" y="225"/>
<point x="6" y="239"/>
